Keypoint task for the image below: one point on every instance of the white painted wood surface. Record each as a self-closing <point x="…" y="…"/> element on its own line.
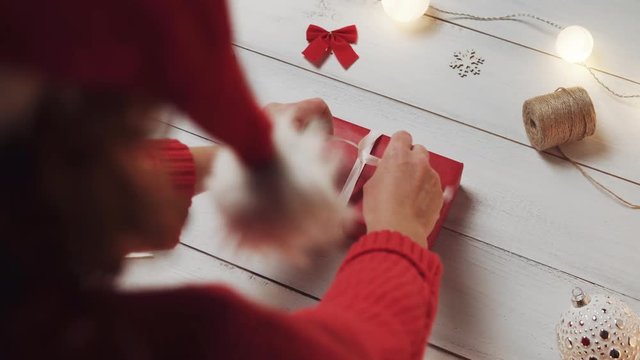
<point x="413" y="66"/>
<point x="526" y="227"/>
<point x="184" y="265"/>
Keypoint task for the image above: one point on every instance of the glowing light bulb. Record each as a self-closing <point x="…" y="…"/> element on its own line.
<point x="405" y="10"/>
<point x="574" y="44"/>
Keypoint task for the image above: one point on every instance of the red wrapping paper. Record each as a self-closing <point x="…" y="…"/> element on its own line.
<point x="450" y="172"/>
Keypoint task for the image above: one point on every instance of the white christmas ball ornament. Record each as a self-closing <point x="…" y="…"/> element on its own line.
<point x="405" y="10"/>
<point x="574" y="44"/>
<point x="598" y="328"/>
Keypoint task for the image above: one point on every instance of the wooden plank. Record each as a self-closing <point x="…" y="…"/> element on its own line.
<point x="185" y="266"/>
<point x="413" y="67"/>
<point x="494" y="305"/>
<point x="433" y="353"/>
<point x="513" y="198"/>
<point x="612" y="24"/>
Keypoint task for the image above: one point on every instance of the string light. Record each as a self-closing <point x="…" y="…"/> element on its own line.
<point x="405" y="10"/>
<point x="574" y="44"/>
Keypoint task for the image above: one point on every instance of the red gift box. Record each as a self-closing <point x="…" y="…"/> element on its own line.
<point x="450" y="171"/>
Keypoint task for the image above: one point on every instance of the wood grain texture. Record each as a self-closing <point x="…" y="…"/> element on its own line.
<point x="185" y="266"/>
<point x="513" y="198"/>
<point x="412" y="65"/>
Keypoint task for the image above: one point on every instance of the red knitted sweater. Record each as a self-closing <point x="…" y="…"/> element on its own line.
<point x="381" y="305"/>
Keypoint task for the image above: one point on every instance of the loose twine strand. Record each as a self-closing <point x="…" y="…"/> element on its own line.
<point x="598" y="184"/>
<point x="564" y="116"/>
<point x="516" y="17"/>
<point x="623" y="96"/>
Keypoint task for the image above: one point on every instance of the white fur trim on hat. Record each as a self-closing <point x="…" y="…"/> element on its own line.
<point x="292" y="205"/>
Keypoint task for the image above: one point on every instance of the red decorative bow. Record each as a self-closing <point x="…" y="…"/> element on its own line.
<point x="323" y="42"/>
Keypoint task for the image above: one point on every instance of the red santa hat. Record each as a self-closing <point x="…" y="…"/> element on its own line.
<point x="273" y="185"/>
<point x="177" y="51"/>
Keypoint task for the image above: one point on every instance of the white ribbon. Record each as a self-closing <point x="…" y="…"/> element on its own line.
<point x="365" y="146"/>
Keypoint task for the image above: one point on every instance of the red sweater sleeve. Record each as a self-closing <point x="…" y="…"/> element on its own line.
<point x="383" y="301"/>
<point x="381" y="306"/>
<point x="175" y="159"/>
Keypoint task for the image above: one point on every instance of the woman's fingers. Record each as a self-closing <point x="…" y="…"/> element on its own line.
<point x="314" y="109"/>
<point x="302" y="113"/>
<point x="420" y="150"/>
<point x="401" y="140"/>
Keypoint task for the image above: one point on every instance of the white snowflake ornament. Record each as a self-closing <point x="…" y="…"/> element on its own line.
<point x="598" y="328"/>
<point x="466" y="63"/>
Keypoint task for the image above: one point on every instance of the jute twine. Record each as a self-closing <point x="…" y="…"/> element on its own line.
<point x="564" y="116"/>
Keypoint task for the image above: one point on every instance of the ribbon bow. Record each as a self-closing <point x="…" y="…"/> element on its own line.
<point x="323" y="42"/>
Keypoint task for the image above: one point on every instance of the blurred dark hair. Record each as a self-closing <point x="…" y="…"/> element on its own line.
<point x="72" y="191"/>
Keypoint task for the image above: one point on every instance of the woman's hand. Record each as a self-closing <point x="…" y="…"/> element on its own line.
<point x="404" y="194"/>
<point x="302" y="113"/>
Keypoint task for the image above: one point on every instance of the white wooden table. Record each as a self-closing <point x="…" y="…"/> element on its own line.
<point x="526" y="227"/>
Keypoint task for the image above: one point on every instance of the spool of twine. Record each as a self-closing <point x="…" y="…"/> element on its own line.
<point x="563" y="116"/>
<point x="566" y="115"/>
